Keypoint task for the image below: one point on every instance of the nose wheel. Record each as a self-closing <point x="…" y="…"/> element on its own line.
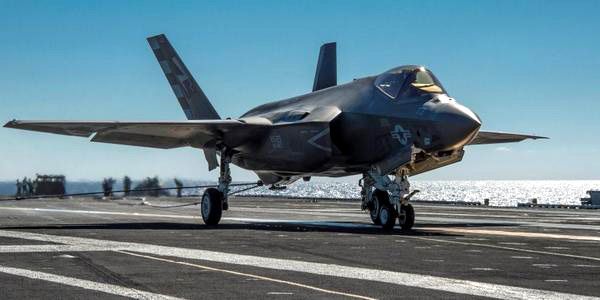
<point x="387" y="200"/>
<point x="382" y="212"/>
<point x="406" y="217"/>
<point x="374" y="210"/>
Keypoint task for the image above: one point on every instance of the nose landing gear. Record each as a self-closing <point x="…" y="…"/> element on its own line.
<point x="387" y="200"/>
<point x="381" y="210"/>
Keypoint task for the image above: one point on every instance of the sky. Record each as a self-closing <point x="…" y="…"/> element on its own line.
<point x="522" y="66"/>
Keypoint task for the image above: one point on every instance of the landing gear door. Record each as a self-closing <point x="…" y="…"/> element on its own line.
<point x="394" y="161"/>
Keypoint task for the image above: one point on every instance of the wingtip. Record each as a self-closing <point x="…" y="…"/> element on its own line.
<point x="538" y="137"/>
<point x="11" y="124"/>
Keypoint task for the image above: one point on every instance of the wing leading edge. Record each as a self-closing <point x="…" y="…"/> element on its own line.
<point x="164" y="135"/>
<point x="489" y="137"/>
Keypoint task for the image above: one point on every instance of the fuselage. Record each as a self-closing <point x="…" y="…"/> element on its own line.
<point x="348" y="128"/>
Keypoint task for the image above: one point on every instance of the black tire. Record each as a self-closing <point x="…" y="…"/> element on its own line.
<point x="386" y="216"/>
<point x="211" y="206"/>
<point x="375" y="205"/>
<point x="379" y="197"/>
<point x="406" y="220"/>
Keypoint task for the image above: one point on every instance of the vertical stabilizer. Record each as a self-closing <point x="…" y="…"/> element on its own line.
<point x="192" y="99"/>
<point x="326" y="74"/>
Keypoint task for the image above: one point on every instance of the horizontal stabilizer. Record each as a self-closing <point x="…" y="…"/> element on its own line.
<point x="192" y="99"/>
<point x="326" y="74"/>
<point x="489" y="137"/>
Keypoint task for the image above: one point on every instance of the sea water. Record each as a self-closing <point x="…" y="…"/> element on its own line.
<point x="499" y="192"/>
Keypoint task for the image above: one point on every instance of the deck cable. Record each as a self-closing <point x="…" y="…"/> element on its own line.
<point x="255" y="184"/>
<point x="144" y="202"/>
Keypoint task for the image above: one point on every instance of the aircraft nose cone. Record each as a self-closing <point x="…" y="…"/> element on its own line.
<point x="465" y="120"/>
<point x="457" y="125"/>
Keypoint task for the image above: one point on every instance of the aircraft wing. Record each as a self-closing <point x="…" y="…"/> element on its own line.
<point x="163" y="134"/>
<point x="489" y="137"/>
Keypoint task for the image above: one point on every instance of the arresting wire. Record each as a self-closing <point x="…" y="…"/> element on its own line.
<point x="134" y="190"/>
<point x="144" y="202"/>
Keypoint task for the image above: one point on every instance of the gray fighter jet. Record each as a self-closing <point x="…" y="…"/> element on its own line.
<point x="387" y="127"/>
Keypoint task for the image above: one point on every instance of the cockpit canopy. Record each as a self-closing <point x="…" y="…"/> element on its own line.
<point x="408" y="82"/>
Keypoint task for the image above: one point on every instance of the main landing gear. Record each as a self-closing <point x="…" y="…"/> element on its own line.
<point x="387" y="200"/>
<point x="214" y="200"/>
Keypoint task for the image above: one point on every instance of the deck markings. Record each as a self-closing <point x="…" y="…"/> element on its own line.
<point x="515" y="233"/>
<point x="507" y="248"/>
<point x="585" y="266"/>
<point x="433" y="260"/>
<point x="312" y="222"/>
<point x="253" y="276"/>
<point x="53" y="248"/>
<point x="100" y="212"/>
<point x="545" y="266"/>
<point x="284" y="293"/>
<point x="430" y="282"/>
<point x="85" y="284"/>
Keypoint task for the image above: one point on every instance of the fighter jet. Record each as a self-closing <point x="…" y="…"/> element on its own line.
<point x="386" y="127"/>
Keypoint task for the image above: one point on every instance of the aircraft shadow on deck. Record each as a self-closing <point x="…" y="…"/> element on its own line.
<point x="344" y="227"/>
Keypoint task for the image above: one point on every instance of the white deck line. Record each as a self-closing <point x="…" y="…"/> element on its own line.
<point x="287" y="282"/>
<point x="85" y="284"/>
<point x="100" y="212"/>
<point x="515" y="233"/>
<point x="53" y="248"/>
<point x="399" y="278"/>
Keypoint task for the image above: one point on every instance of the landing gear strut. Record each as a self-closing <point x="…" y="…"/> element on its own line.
<point x="387" y="199"/>
<point x="214" y="200"/>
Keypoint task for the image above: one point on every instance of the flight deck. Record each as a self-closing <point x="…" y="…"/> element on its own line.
<point x="266" y="248"/>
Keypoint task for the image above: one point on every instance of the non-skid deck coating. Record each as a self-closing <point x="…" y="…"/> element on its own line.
<point x="277" y="248"/>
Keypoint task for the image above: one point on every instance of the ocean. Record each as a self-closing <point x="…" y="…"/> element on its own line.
<point x="500" y="192"/>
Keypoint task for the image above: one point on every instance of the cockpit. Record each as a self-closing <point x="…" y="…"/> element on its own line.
<point x="408" y="82"/>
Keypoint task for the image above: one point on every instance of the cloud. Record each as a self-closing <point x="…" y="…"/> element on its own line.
<point x="503" y="149"/>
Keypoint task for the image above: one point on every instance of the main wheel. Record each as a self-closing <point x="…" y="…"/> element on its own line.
<point x="406" y="219"/>
<point x="211" y="206"/>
